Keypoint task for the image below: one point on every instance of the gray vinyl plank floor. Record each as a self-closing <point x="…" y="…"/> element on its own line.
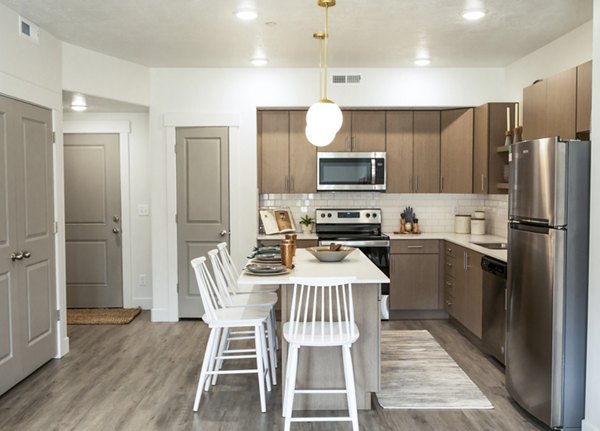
<point x="143" y="376"/>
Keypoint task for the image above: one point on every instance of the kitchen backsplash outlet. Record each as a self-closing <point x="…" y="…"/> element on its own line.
<point x="434" y="211"/>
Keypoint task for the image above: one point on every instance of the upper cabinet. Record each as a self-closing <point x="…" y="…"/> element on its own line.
<point x="559" y="105"/>
<point x="456" y="165"/>
<point x="361" y="131"/>
<point x="413" y="151"/>
<point x="286" y="160"/>
<point x="488" y="136"/>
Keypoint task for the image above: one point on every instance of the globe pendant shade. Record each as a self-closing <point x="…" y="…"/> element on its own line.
<point x="318" y="137"/>
<point x="324" y="118"/>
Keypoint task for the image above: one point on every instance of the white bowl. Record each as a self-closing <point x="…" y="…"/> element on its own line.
<point x="326" y="255"/>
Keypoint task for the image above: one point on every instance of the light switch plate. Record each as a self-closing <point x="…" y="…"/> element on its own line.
<point x="143" y="209"/>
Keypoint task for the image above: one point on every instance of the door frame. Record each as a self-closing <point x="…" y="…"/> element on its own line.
<point x="123" y="129"/>
<point x="171" y="121"/>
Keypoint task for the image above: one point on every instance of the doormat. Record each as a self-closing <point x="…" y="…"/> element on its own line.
<point x="417" y="373"/>
<point x="101" y="316"/>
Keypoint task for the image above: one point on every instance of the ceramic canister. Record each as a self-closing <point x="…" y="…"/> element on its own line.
<point x="462" y="223"/>
<point x="478" y="214"/>
<point x="478" y="226"/>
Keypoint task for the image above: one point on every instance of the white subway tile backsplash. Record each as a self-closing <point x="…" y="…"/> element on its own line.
<point x="434" y="211"/>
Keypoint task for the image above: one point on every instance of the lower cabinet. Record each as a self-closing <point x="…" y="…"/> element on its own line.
<point x="463" y="278"/>
<point x="414" y="275"/>
<point x="300" y="243"/>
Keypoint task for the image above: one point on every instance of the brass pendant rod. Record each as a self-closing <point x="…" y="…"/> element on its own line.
<point x="326" y="39"/>
<point x="320" y="69"/>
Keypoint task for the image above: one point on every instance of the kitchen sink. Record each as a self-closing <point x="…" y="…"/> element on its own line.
<point x="491" y="245"/>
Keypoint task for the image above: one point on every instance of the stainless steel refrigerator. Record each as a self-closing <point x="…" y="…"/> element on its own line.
<point x="548" y="240"/>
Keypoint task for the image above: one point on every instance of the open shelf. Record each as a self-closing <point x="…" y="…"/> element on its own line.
<point x="502" y="186"/>
<point x="502" y="149"/>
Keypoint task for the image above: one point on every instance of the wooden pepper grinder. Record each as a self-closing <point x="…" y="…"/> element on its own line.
<point x="416" y="226"/>
<point x="402" y="223"/>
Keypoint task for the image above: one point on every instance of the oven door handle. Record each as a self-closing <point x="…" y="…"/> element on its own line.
<point x="366" y="243"/>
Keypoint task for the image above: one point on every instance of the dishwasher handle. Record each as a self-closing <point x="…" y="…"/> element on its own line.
<point x="494" y="266"/>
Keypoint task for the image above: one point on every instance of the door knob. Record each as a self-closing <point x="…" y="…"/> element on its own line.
<point x="223" y="233"/>
<point x="116" y="230"/>
<point x="116" y="218"/>
<point x="26" y="254"/>
<point x="16" y="256"/>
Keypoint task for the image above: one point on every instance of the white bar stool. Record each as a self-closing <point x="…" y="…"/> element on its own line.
<point x="322" y="315"/>
<point x="233" y="275"/>
<point x="220" y="318"/>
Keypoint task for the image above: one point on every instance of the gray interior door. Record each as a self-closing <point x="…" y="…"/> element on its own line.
<point x="27" y="263"/>
<point x="93" y="220"/>
<point x="202" y="204"/>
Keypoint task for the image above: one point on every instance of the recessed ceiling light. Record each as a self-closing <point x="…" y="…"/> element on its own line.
<point x="246" y="14"/>
<point x="259" y="61"/>
<point x="473" y="14"/>
<point x="78" y="107"/>
<point x="422" y="61"/>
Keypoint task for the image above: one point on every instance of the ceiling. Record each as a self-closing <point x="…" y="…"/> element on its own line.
<point x="99" y="104"/>
<point x="363" y="33"/>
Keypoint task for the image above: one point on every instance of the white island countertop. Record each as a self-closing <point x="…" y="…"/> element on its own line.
<point x="306" y="265"/>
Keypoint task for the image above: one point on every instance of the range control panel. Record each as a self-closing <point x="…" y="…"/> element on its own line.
<point x="348" y="216"/>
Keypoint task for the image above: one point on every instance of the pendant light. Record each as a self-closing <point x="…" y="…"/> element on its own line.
<point x="324" y="118"/>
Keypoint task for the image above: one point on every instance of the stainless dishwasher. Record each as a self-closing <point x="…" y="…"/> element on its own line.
<point x="494" y="307"/>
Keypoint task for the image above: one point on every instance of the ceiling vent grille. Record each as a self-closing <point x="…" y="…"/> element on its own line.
<point x="345" y="79"/>
<point x="29" y="30"/>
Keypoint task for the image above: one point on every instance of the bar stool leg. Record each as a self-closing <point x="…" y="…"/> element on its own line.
<point x="265" y="357"/>
<point x="204" y="369"/>
<point x="222" y="345"/>
<point x="290" y="390"/>
<point x="272" y="351"/>
<point x="350" y="388"/>
<point x="213" y="353"/>
<point x="258" y="330"/>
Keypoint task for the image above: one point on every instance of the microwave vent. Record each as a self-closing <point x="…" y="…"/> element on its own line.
<point x="345" y="79"/>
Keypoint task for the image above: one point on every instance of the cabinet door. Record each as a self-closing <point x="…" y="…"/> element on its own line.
<point x="481" y="148"/>
<point x="534" y="111"/>
<point x="399" y="145"/>
<point x="342" y="141"/>
<point x="426" y="151"/>
<point x="303" y="156"/>
<point x="561" y="104"/>
<point x="414" y="281"/>
<point x="368" y="131"/>
<point x="275" y="152"/>
<point x="456" y="166"/>
<point x="584" y="96"/>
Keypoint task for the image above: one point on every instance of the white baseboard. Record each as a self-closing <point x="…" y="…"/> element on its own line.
<point x="588" y="426"/>
<point x="161" y="315"/>
<point x="145" y="303"/>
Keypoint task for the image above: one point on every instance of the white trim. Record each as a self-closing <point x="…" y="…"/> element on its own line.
<point x="170" y="311"/>
<point x="588" y="426"/>
<point x="123" y="128"/>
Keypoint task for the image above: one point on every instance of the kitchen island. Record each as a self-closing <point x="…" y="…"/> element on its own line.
<point x="322" y="368"/>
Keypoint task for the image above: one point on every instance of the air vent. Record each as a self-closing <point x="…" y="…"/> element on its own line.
<point x="28" y="29"/>
<point x="345" y="79"/>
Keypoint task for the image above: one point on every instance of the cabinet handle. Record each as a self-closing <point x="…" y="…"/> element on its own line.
<point x="414" y="246"/>
<point x="441" y="183"/>
<point x="482" y="182"/>
<point x="410" y="188"/>
<point x="287" y="184"/>
<point x="291" y="184"/>
<point x="348" y="144"/>
<point x="352" y="143"/>
<point x="16" y="256"/>
<point x="449" y="265"/>
<point x="449" y="303"/>
<point x="448" y="283"/>
<point x="417" y="185"/>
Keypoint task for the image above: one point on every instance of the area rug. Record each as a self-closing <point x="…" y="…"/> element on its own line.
<point x="417" y="373"/>
<point x="101" y="316"/>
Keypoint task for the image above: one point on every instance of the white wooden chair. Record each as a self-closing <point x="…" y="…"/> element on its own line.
<point x="220" y="318"/>
<point x="232" y="275"/>
<point x="260" y="300"/>
<point x="322" y="315"/>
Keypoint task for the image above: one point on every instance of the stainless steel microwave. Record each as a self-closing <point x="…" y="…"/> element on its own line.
<point x="351" y="171"/>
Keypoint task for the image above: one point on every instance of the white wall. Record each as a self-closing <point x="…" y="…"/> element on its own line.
<point x="205" y="92"/>
<point x="561" y="54"/>
<point x="592" y="410"/>
<point x="139" y="193"/>
<point x="101" y="75"/>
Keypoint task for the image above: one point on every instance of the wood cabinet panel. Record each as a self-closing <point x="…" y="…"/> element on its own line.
<point x="456" y="162"/>
<point x="341" y="142"/>
<point x="426" y="151"/>
<point x="414" y="246"/>
<point x="303" y="157"/>
<point x="414" y="282"/>
<point x="561" y="104"/>
<point x="368" y="131"/>
<point x="275" y="152"/>
<point x="534" y="111"/>
<point x="399" y="148"/>
<point x="584" y="96"/>
<point x="480" y="148"/>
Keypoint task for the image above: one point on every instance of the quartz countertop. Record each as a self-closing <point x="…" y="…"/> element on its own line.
<point x="464" y="240"/>
<point x="306" y="265"/>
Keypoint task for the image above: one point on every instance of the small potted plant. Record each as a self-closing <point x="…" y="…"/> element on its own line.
<point x="307" y="222"/>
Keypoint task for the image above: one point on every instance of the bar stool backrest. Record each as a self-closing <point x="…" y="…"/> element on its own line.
<point x="223" y="284"/>
<point x="230" y="271"/>
<point x="209" y="293"/>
